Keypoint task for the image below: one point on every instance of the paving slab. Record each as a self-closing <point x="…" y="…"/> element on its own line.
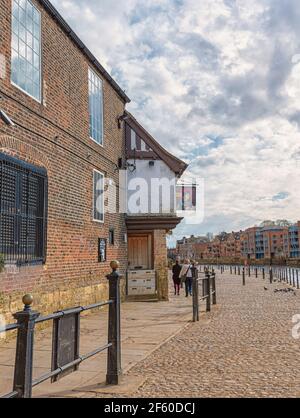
<point x="145" y="327"/>
<point x="243" y="348"/>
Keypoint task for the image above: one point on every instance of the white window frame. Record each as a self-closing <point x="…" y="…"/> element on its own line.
<point x="103" y="203"/>
<point x="91" y="71"/>
<point x="40" y="100"/>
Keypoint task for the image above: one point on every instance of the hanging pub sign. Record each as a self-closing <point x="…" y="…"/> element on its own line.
<point x="102" y="244"/>
<point x="186" y="196"/>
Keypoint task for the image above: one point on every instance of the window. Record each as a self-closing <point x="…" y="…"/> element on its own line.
<point x="23" y="205"/>
<point x="96" y="107"/>
<point x="98" y="204"/>
<point x="112" y="236"/>
<point x="26" y="48"/>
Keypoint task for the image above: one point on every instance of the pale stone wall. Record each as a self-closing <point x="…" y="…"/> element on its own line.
<point x="161" y="263"/>
<point x="55" y="300"/>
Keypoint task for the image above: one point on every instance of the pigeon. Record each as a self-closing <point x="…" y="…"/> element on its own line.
<point x="286" y="290"/>
<point x="266" y="288"/>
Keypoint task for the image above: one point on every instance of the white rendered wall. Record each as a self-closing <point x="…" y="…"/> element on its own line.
<point x="151" y="189"/>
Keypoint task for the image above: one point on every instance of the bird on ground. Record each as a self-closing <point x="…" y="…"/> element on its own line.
<point x="286" y="290"/>
<point x="266" y="288"/>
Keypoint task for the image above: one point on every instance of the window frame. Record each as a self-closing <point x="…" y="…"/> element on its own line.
<point x="91" y="71"/>
<point x="103" y="202"/>
<point x="40" y="100"/>
<point x="21" y="166"/>
<point x="111" y="236"/>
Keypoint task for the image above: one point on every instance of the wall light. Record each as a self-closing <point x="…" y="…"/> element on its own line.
<point x="6" y="119"/>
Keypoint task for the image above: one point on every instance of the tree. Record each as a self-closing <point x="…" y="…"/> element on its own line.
<point x="267" y="223"/>
<point x="283" y="222"/>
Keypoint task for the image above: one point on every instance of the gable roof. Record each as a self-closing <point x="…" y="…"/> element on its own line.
<point x="67" y="29"/>
<point x="174" y="163"/>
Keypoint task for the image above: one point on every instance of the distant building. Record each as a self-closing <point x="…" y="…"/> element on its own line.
<point x="294" y="234"/>
<point x="255" y="243"/>
<point x="193" y="247"/>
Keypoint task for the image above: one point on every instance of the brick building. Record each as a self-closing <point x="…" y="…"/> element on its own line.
<point x="248" y="243"/>
<point x="231" y="245"/>
<point x="255" y="243"/>
<point x="294" y="237"/>
<point x="152" y="179"/>
<point x="276" y="242"/>
<point x="192" y="248"/>
<point x="63" y="141"/>
<point x="61" y="147"/>
<point x="267" y="242"/>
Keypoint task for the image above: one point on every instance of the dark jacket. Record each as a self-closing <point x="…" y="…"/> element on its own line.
<point x="176" y="271"/>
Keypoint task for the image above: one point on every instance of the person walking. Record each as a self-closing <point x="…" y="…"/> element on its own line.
<point x="189" y="281"/>
<point x="186" y="276"/>
<point x="176" y="277"/>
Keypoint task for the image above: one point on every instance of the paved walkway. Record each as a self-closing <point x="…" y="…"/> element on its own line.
<point x="244" y="348"/>
<point x="145" y="326"/>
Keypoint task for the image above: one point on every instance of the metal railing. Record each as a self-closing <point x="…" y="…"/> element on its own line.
<point x="288" y="275"/>
<point x="209" y="292"/>
<point x="27" y="320"/>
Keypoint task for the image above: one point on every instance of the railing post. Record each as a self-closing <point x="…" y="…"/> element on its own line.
<point x="208" y="299"/>
<point x="263" y="272"/>
<point x="114" y="370"/>
<point x="24" y="350"/>
<point x="195" y="295"/>
<point x="271" y="275"/>
<point x="294" y="285"/>
<point x="256" y="273"/>
<point x="213" y="287"/>
<point x="244" y="277"/>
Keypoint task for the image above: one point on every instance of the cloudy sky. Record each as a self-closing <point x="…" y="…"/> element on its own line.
<point x="217" y="83"/>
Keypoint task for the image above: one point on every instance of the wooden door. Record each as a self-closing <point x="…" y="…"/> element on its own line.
<point x="139" y="252"/>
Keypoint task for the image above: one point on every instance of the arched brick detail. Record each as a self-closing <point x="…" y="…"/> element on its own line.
<point x="19" y="149"/>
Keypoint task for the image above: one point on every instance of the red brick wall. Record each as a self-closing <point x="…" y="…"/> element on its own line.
<point x="55" y="135"/>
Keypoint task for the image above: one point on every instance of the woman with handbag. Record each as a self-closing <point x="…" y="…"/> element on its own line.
<point x="186" y="276"/>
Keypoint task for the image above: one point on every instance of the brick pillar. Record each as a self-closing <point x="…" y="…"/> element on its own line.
<point x="160" y="263"/>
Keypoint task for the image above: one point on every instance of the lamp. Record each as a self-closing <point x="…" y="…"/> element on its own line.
<point x="6" y="118"/>
<point x="121" y="119"/>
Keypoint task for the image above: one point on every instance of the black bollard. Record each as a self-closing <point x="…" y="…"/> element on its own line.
<point x="24" y="351"/>
<point x="114" y="370"/>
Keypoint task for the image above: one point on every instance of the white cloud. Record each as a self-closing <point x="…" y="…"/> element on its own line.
<point x="211" y="69"/>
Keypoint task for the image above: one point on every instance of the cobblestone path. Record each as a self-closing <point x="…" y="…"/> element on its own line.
<point x="243" y="348"/>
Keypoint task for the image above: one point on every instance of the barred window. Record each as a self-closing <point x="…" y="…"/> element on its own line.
<point x="112" y="236"/>
<point x="23" y="211"/>
<point x="98" y="203"/>
<point x="96" y="107"/>
<point x="26" y="48"/>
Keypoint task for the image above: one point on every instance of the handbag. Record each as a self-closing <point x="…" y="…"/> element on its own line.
<point x="183" y="277"/>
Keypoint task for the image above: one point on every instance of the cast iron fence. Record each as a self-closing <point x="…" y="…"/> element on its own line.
<point x="288" y="275"/>
<point x="65" y="341"/>
<point x="209" y="293"/>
